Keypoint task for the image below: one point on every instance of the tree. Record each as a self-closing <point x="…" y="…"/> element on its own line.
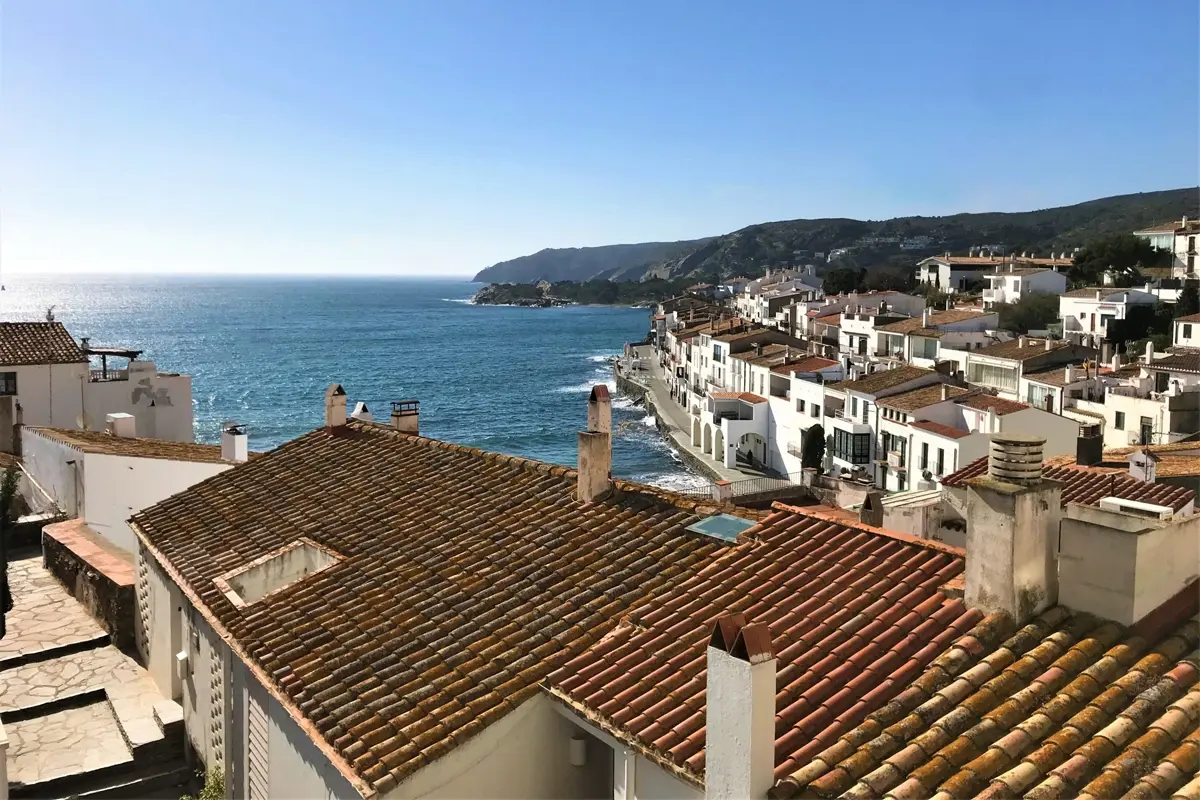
<point x="889" y="279"/>
<point x="1034" y="311"/>
<point x="1121" y="252"/>
<point x="8" y="516"/>
<point x="813" y="447"/>
<point x="842" y="280"/>
<point x="1189" y="301"/>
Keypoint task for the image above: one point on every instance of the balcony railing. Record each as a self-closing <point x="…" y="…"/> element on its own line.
<point x="795" y="450"/>
<point x="101" y="375"/>
<point x="895" y="459"/>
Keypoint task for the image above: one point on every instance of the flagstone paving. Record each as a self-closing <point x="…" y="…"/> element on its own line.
<point x="64" y="743"/>
<point x="44" y="615"/>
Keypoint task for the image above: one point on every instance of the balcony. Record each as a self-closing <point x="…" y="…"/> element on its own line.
<point x="795" y="449"/>
<point x="850" y="423"/>
<point x="895" y="459"/>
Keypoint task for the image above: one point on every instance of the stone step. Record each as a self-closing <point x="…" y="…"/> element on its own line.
<point x="56" y="651"/>
<point x="117" y="781"/>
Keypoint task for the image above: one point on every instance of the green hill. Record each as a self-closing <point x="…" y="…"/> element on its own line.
<point x="747" y="250"/>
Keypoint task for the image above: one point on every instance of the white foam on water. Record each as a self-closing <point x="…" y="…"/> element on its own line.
<point x="650" y="422"/>
<point x="623" y="402"/>
<point x="467" y="300"/>
<point x="584" y="388"/>
<point x="603" y="358"/>
<point x="674" y="481"/>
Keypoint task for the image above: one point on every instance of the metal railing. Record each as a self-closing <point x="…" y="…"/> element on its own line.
<point x="749" y="486"/>
<point x="100" y="375"/>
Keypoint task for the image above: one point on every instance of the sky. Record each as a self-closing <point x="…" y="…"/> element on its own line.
<point x="442" y="136"/>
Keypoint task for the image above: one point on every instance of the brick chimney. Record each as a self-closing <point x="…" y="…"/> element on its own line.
<point x="739" y="757"/>
<point x="335" y="406"/>
<point x="1012" y="531"/>
<point x="234" y="443"/>
<point x="406" y="416"/>
<point x="595" y="448"/>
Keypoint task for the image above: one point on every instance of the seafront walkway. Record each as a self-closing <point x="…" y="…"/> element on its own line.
<point x="675" y="422"/>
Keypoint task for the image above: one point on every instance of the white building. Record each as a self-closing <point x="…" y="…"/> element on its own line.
<point x="1187" y="331"/>
<point x="1180" y="239"/>
<point x="1085" y="313"/>
<point x="1010" y="283"/>
<point x="920" y="340"/>
<point x="957" y="273"/>
<point x="1000" y="367"/>
<point x="1159" y="404"/>
<point x="104" y="478"/>
<point x="56" y="386"/>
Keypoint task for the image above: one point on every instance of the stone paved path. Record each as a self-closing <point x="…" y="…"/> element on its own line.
<point x="43" y="615"/>
<point x="64" y="743"/>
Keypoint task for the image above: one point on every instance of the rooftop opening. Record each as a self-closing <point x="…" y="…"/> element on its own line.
<point x="725" y="527"/>
<point x="275" y="571"/>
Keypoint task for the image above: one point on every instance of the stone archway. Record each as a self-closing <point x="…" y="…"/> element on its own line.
<point x="718" y="452"/>
<point x="695" y="432"/>
<point x="754" y="446"/>
<point x="707" y="439"/>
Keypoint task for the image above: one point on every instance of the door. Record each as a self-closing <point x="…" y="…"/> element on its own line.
<point x="1147" y="430"/>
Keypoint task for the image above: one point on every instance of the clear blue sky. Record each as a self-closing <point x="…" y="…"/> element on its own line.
<point x="438" y="137"/>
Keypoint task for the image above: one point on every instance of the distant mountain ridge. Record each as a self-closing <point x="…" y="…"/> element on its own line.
<point x="776" y="243"/>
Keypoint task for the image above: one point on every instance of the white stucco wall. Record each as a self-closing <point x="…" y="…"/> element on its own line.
<point x="170" y="417"/>
<point x="46" y="460"/>
<point x="159" y="631"/>
<point x="117" y="487"/>
<point x="206" y="702"/>
<point x="50" y="394"/>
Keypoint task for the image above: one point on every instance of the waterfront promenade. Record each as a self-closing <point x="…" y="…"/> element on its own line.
<point x="673" y="421"/>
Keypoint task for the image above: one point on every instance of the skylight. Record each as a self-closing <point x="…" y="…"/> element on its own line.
<point x="721" y="526"/>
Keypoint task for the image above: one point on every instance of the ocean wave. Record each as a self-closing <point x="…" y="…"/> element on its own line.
<point x="468" y="300"/>
<point x="623" y="402"/>
<point x="602" y="358"/>
<point x="650" y="422"/>
<point x="585" y="387"/>
<point x="674" y="481"/>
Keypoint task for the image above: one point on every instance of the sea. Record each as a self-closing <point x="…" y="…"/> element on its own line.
<point x="261" y="351"/>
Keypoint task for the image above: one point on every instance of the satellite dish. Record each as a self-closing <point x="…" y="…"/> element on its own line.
<point x="927" y="475"/>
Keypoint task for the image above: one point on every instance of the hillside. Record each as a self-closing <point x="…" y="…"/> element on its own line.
<point x="586" y="263"/>
<point x="775" y="243"/>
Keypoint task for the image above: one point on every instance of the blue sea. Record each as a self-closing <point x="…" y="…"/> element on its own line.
<point x="262" y="351"/>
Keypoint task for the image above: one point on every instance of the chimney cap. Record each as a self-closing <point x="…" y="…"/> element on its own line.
<point x="233" y="428"/>
<point x="334" y="390"/>
<point x="403" y="408"/>
<point x="599" y="393"/>
<point x="747" y="642"/>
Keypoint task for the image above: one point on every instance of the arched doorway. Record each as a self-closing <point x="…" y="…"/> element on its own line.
<point x="719" y="446"/>
<point x="707" y="439"/>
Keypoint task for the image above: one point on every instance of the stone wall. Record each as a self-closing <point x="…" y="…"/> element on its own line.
<point x="97" y="574"/>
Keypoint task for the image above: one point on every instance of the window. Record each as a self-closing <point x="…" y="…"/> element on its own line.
<point x="941" y="462"/>
<point x="816" y="411"/>
<point x="1041" y="397"/>
<point x="8" y="383"/>
<point x="900" y="482"/>
<point x="853" y="406"/>
<point x="852" y="447"/>
<point x="800" y="406"/>
<point x="1119" y="422"/>
<point x="1187" y="331"/>
<point x="864" y="412"/>
<point x="992" y="375"/>
<point x="924" y="455"/>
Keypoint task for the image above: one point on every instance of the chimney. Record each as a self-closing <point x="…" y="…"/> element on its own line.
<point x="1149" y="352"/>
<point x="234" y="443"/>
<point x="991" y="421"/>
<point x="1069" y="372"/>
<point x="740" y="749"/>
<point x="121" y="424"/>
<point x="945" y="391"/>
<point x="335" y="406"/>
<point x="1049" y="345"/>
<point x="925" y="317"/>
<point x="362" y="413"/>
<point x="1099" y="294"/>
<point x="1089" y="447"/>
<point x="406" y="416"/>
<point x="595" y="448"/>
<point x="1116" y="362"/>
<point x="1012" y="531"/>
<point x="1022" y="341"/>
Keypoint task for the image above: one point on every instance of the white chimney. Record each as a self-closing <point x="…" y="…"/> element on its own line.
<point x="406" y="416"/>
<point x="1069" y="373"/>
<point x="1116" y="362"/>
<point x="335" y="406"/>
<point x="595" y="448"/>
<point x="739" y="761"/>
<point x="1049" y="345"/>
<point x="1022" y="341"/>
<point x="945" y="391"/>
<point x="1012" y="531"/>
<point x="1149" y="352"/>
<point x="991" y="422"/>
<point x="361" y="412"/>
<point x="121" y="424"/>
<point x="925" y="317"/>
<point x="1099" y="294"/>
<point x="234" y="443"/>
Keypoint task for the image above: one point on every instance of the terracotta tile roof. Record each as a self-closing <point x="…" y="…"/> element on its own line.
<point x="1089" y="485"/>
<point x="995" y="260"/>
<point x="1068" y="705"/>
<point x="1106" y="292"/>
<point x="939" y="318"/>
<point x="1174" y="460"/>
<point x="880" y="381"/>
<point x="983" y="402"/>
<point x="919" y="398"/>
<point x="1056" y="376"/>
<point x="1173" y="227"/>
<point x="749" y="397"/>
<point x="1012" y="349"/>
<point x="466" y="577"/>
<point x="814" y="364"/>
<point x="1019" y="271"/>
<point x="37" y="343"/>
<point x="854" y="613"/>
<point x="939" y="428"/>
<point x="136" y="447"/>
<point x="1178" y="362"/>
<point x="1189" y="318"/>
